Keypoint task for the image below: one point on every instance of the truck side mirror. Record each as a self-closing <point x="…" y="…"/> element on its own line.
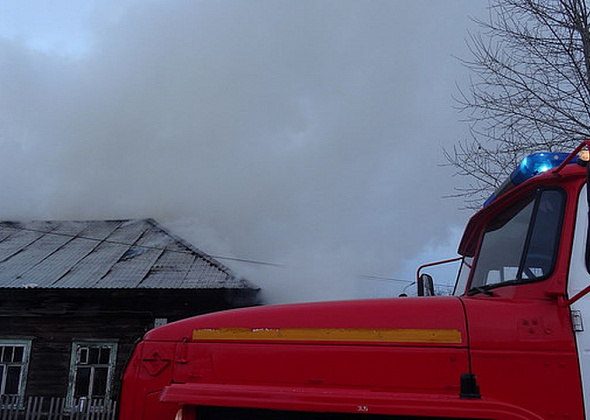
<point x="425" y="285"/>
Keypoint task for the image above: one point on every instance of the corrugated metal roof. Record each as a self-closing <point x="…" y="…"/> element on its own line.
<point x="111" y="254"/>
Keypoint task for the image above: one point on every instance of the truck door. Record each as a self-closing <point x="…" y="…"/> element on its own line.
<point x="579" y="278"/>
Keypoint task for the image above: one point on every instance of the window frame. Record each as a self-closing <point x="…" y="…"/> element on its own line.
<point x="113" y="345"/>
<point x="22" y="385"/>
<point x="535" y="200"/>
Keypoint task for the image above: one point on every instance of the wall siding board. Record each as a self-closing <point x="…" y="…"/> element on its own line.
<point x="55" y="318"/>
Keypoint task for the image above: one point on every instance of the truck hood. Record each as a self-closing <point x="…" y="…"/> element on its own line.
<point x="280" y="354"/>
<point x="438" y="321"/>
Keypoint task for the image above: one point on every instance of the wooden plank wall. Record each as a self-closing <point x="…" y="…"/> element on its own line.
<point x="54" y="318"/>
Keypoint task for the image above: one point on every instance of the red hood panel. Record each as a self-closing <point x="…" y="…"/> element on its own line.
<point x="415" y="346"/>
<point x="411" y="345"/>
<point x="436" y="321"/>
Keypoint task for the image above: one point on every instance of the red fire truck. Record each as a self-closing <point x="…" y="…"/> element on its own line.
<point x="511" y="343"/>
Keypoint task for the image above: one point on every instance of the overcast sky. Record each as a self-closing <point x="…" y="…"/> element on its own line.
<point x="303" y="133"/>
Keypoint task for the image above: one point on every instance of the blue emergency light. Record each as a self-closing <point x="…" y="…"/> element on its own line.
<point x="530" y="166"/>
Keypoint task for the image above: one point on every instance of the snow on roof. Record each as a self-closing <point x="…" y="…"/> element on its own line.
<point x="112" y="254"/>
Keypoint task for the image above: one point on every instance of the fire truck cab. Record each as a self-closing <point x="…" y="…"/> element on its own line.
<point x="513" y="342"/>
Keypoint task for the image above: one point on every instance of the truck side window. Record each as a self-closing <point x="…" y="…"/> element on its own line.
<point x="520" y="244"/>
<point x="463" y="276"/>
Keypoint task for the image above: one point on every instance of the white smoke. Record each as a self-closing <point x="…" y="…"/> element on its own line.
<point x="303" y="133"/>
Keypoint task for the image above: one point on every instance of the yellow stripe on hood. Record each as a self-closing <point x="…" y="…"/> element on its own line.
<point x="402" y="335"/>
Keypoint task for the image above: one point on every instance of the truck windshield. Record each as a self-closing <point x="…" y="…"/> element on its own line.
<point x="520" y="244"/>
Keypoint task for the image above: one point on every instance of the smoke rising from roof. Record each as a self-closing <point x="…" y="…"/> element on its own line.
<point x="302" y="133"/>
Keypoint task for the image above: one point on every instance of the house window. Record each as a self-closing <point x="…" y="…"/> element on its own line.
<point x="158" y="322"/>
<point x="91" y="369"/>
<point x="14" y="363"/>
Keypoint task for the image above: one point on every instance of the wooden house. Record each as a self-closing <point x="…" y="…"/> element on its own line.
<point x="75" y="297"/>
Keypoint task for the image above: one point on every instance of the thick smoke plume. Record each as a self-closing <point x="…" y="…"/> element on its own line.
<point x="302" y="133"/>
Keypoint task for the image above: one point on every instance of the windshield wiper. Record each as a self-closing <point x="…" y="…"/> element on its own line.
<point x="479" y="289"/>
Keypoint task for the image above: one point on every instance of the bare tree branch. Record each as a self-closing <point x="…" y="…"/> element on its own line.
<point x="529" y="89"/>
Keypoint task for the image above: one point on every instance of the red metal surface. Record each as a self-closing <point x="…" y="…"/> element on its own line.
<point x="343" y="401"/>
<point x="148" y="372"/>
<point x="523" y="353"/>
<point x="387" y="363"/>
